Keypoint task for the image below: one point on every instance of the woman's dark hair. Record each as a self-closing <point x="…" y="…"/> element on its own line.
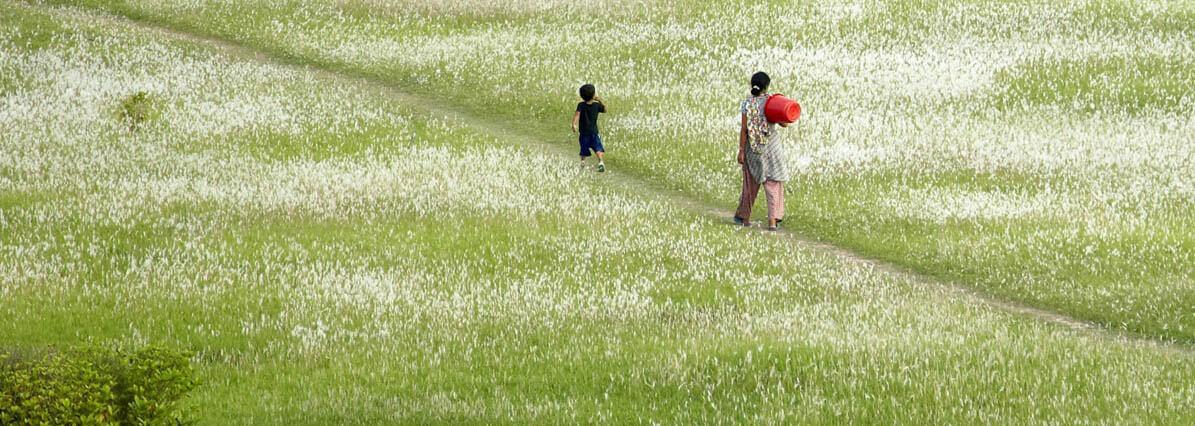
<point x="587" y="92"/>
<point x="759" y="83"/>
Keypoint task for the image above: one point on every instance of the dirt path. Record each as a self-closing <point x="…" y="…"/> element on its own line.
<point x="502" y="130"/>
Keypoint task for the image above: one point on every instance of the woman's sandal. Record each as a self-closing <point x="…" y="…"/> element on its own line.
<point x="741" y="221"/>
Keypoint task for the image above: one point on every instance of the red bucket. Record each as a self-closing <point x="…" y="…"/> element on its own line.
<point x="779" y="109"/>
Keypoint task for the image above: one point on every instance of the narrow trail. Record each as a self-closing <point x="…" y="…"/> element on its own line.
<point x="433" y="108"/>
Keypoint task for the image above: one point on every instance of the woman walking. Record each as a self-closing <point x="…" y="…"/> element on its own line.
<point x="762" y="157"/>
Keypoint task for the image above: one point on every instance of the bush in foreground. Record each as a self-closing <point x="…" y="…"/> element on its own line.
<point x="95" y="386"/>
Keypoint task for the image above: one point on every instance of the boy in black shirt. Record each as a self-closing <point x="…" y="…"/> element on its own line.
<point x="585" y="123"/>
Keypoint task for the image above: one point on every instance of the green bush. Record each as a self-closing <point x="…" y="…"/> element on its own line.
<point x="95" y="386"/>
<point x="137" y="109"/>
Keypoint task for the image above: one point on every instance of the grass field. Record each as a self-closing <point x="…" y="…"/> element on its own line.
<point x="368" y="211"/>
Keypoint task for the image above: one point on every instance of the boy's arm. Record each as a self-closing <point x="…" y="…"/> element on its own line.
<point x="599" y="100"/>
<point x="576" y="118"/>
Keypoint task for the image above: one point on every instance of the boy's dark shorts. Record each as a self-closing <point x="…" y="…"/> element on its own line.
<point x="591" y="142"/>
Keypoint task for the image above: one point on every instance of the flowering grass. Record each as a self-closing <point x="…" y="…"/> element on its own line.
<point x="1037" y="151"/>
<point x="333" y="255"/>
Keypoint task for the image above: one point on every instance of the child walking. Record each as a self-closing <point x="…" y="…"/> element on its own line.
<point x="585" y="124"/>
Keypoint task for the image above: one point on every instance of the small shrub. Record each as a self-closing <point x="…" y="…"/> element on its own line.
<point x="136" y="110"/>
<point x="95" y="386"/>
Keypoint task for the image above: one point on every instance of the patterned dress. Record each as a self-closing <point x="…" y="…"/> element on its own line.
<point x="765" y="152"/>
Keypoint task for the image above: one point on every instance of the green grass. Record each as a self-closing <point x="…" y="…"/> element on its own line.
<point x="1173" y="17"/>
<point x="34" y="33"/>
<point x="10" y="81"/>
<point x="1140" y="84"/>
<point x="362" y="310"/>
<point x="1117" y="84"/>
<point x="1037" y="254"/>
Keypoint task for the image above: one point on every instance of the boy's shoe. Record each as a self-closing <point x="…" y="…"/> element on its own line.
<point x="601" y="167"/>
<point x="741" y="221"/>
